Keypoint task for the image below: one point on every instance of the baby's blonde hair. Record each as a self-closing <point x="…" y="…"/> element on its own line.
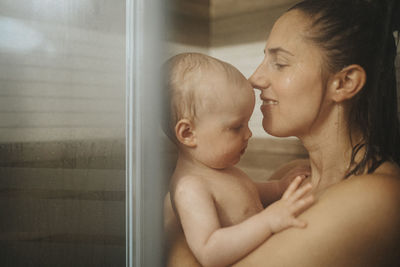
<point x="185" y="75"/>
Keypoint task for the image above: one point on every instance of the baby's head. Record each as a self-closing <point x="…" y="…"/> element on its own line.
<point x="210" y="104"/>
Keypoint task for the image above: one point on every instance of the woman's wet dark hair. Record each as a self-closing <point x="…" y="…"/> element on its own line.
<point x="361" y="32"/>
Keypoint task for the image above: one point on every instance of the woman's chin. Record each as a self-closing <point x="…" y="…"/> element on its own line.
<point x="275" y="131"/>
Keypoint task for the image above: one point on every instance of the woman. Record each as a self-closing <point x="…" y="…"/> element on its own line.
<point x="328" y="77"/>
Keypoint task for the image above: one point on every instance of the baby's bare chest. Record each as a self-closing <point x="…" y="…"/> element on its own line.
<point x="235" y="200"/>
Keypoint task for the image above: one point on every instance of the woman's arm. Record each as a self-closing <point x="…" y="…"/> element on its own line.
<point x="355" y="223"/>
<point x="292" y="169"/>
<point x="272" y="190"/>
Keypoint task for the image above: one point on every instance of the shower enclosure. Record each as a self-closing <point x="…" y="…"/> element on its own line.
<point x="81" y="169"/>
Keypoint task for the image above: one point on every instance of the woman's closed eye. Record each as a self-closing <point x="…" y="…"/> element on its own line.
<point x="278" y="65"/>
<point x="277" y="62"/>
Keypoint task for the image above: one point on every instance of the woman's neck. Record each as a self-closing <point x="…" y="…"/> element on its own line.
<point x="330" y="151"/>
<point x="329" y="162"/>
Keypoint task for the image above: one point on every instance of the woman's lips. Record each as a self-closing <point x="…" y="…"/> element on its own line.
<point x="270" y="102"/>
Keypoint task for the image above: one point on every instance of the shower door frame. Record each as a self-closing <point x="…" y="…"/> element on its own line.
<point x="145" y="184"/>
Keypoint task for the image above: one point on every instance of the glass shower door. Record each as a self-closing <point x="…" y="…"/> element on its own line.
<point x="62" y="133"/>
<point x="82" y="167"/>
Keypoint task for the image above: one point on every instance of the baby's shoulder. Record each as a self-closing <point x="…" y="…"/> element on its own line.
<point x="188" y="184"/>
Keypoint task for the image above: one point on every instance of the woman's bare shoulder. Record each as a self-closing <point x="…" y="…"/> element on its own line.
<point x="370" y="191"/>
<point x="354" y="223"/>
<point x="373" y="197"/>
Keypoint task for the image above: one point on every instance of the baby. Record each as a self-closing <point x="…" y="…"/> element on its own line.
<point x="220" y="209"/>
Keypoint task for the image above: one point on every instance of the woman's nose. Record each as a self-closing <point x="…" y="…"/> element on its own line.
<point x="259" y="79"/>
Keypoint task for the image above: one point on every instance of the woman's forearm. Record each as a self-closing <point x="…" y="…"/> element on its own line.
<point x="269" y="192"/>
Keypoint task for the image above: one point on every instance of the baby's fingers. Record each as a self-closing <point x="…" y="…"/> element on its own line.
<point x="299" y="223"/>
<point x="292" y="187"/>
<point x="300" y="192"/>
<point x="302" y="204"/>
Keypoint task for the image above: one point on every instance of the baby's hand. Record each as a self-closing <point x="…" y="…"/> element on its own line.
<point x="303" y="170"/>
<point x="282" y="213"/>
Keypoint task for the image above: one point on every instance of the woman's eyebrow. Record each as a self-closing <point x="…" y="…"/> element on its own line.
<point x="276" y="50"/>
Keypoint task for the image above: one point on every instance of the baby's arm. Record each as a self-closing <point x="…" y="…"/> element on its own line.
<point x="216" y="246"/>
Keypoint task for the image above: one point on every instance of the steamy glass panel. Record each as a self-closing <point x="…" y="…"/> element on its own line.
<point x="62" y="133"/>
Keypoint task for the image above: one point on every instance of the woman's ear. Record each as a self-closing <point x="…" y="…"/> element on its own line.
<point x="347" y="83"/>
<point x="184" y="131"/>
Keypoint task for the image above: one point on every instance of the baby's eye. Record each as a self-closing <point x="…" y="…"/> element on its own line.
<point x="237" y="128"/>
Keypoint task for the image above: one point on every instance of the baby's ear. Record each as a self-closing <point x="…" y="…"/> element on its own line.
<point x="347" y="83"/>
<point x="184" y="131"/>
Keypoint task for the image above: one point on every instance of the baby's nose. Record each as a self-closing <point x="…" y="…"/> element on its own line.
<point x="248" y="133"/>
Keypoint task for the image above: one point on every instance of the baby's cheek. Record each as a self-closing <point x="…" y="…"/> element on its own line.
<point x="232" y="154"/>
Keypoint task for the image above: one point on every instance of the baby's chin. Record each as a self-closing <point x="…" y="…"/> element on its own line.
<point x="226" y="165"/>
